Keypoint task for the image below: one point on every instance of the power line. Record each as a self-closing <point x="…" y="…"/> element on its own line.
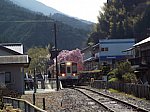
<point x="29" y="21"/>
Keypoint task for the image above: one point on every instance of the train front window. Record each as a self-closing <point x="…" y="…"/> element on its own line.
<point x="68" y="70"/>
<point x="74" y="67"/>
<point x="62" y="68"/>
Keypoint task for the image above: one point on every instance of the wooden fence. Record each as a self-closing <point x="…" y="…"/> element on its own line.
<point x="24" y="105"/>
<point x="138" y="90"/>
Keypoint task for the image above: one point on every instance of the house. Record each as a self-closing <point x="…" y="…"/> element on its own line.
<point x="12" y="64"/>
<point x="141" y="60"/>
<point x="89" y="59"/>
<point x="111" y="50"/>
<point x="107" y="51"/>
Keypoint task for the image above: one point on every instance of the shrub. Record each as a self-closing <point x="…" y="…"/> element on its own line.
<point x="129" y="78"/>
<point x="113" y="80"/>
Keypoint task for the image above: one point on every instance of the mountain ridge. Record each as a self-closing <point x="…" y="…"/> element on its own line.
<point x="36" y="34"/>
<point x="36" y="6"/>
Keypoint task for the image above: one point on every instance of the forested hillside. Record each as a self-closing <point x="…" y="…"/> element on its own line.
<point x="123" y="19"/>
<point x="36" y="33"/>
<point x="73" y="22"/>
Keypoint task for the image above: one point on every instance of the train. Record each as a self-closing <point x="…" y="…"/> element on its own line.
<point x="67" y="73"/>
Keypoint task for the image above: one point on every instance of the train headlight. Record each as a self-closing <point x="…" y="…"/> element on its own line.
<point x="63" y="74"/>
<point x="74" y="74"/>
<point x="68" y="63"/>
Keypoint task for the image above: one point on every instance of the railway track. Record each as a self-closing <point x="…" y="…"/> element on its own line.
<point x="110" y="103"/>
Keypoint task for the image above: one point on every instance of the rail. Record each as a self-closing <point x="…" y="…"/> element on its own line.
<point x="24" y="105"/>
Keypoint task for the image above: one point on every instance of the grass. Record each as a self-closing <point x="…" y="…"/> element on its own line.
<point x="113" y="90"/>
<point x="122" y="93"/>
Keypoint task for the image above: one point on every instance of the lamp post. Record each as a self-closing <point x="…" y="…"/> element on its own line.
<point x="57" y="81"/>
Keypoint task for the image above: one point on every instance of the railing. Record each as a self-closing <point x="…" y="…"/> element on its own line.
<point x="138" y="90"/>
<point x="24" y="105"/>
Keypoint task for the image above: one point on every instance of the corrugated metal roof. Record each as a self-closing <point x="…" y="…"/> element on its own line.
<point x="142" y="42"/>
<point x="96" y="45"/>
<point x="10" y="44"/>
<point x="89" y="47"/>
<point x="131" y="48"/>
<point x="90" y="59"/>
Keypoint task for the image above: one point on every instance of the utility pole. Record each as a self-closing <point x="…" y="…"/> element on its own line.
<point x="57" y="81"/>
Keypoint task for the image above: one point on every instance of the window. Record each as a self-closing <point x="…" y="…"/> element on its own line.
<point x="62" y="68"/>
<point x="68" y="70"/>
<point x="7" y="77"/>
<point x="74" y="67"/>
<point x="104" y="49"/>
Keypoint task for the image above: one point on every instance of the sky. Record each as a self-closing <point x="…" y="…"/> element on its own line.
<point x="82" y="9"/>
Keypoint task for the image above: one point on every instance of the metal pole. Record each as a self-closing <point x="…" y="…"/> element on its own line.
<point x="34" y="81"/>
<point x="57" y="82"/>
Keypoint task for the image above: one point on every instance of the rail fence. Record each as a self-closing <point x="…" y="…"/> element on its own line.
<point x="24" y="105"/>
<point x="138" y="90"/>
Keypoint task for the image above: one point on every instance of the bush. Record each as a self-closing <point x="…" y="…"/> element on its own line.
<point x="113" y="80"/>
<point x="129" y="78"/>
<point x="123" y="72"/>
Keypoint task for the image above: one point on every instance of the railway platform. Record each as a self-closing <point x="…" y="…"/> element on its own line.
<point x="50" y="86"/>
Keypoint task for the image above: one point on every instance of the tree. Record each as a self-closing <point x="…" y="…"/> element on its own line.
<point x="142" y="28"/>
<point x="74" y="55"/>
<point x="122" y="19"/>
<point x="113" y="17"/>
<point x="39" y="58"/>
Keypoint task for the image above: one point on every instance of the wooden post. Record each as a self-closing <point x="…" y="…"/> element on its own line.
<point x="33" y="98"/>
<point x="43" y="103"/>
